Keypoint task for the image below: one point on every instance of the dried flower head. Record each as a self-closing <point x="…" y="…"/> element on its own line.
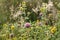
<point x="11" y="35"/>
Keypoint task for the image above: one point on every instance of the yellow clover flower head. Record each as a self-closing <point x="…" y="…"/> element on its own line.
<point x="43" y="9"/>
<point x="12" y="27"/>
<point x="21" y="8"/>
<point x="53" y="29"/>
<point x="23" y="3"/>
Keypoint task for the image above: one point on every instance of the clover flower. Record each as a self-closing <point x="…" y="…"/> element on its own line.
<point x="53" y="29"/>
<point x="12" y="27"/>
<point x="27" y="24"/>
<point x="21" y="8"/>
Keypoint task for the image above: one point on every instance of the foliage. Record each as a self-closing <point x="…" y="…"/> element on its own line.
<point x="29" y="20"/>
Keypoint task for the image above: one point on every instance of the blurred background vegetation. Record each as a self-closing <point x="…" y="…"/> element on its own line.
<point x="5" y="6"/>
<point x="16" y="16"/>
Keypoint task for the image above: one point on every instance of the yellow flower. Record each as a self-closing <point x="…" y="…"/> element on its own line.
<point x="31" y="27"/>
<point x="53" y="29"/>
<point x="5" y="25"/>
<point x="23" y="2"/>
<point x="12" y="27"/>
<point x="23" y="5"/>
<point x="37" y="26"/>
<point x="38" y="21"/>
<point x="21" y="8"/>
<point x="43" y="9"/>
